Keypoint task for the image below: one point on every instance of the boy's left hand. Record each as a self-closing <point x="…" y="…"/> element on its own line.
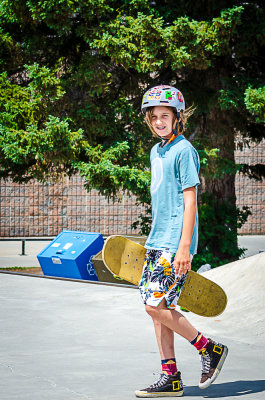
<point x="182" y="261"/>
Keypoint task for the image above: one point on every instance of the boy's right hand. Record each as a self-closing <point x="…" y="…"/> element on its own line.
<point x="182" y="261"/>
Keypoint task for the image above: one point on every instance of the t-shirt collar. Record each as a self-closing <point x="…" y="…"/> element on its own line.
<point x="170" y="143"/>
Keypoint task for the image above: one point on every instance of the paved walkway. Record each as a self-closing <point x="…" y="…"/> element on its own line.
<point x="63" y="340"/>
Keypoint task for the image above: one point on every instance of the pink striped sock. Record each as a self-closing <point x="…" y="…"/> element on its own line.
<point x="200" y="342"/>
<point x="169" y="366"/>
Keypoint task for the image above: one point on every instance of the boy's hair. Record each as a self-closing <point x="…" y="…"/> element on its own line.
<point x="176" y="126"/>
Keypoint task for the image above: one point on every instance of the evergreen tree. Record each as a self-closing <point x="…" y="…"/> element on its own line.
<point x="73" y="74"/>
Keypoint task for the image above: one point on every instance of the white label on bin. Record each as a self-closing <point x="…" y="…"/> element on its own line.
<point x="90" y="267"/>
<point x="73" y="252"/>
<point x="56" y="245"/>
<point x="56" y="260"/>
<point x="67" y="246"/>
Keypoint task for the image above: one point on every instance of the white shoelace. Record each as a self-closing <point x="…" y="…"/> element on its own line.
<point x="206" y="363"/>
<point x="160" y="382"/>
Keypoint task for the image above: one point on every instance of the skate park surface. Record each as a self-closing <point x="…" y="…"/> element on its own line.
<point x="63" y="340"/>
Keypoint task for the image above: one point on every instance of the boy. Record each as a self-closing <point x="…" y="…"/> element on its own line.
<point x="172" y="240"/>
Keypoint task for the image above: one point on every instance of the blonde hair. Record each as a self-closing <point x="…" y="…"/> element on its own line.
<point x="180" y="127"/>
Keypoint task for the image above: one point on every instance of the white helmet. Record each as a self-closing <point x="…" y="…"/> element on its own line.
<point x="163" y="95"/>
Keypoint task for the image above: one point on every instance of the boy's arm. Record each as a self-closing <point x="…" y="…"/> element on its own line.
<point x="182" y="259"/>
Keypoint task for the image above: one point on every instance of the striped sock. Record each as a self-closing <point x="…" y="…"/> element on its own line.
<point x="169" y="366"/>
<point x="200" y="342"/>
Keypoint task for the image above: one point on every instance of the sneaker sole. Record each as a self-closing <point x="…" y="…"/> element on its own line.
<point x="217" y="371"/>
<point x="158" y="394"/>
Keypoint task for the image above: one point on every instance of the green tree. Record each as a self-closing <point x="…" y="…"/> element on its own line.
<point x="33" y="143"/>
<point x="73" y="74"/>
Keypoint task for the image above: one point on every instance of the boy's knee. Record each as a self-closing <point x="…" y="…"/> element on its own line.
<point x="151" y="310"/>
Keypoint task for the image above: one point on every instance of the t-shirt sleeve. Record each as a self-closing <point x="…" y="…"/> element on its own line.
<point x="188" y="166"/>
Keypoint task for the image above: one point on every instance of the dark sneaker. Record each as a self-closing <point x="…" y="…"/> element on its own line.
<point x="212" y="359"/>
<point x="165" y="386"/>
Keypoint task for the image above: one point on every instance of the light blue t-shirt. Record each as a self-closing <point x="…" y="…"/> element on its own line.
<point x="174" y="167"/>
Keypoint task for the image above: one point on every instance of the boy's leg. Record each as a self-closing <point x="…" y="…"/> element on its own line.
<point x="165" y="340"/>
<point x="212" y="354"/>
<point x="173" y="320"/>
<point x="169" y="383"/>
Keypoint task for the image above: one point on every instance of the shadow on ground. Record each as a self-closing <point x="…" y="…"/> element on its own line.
<point x="229" y="389"/>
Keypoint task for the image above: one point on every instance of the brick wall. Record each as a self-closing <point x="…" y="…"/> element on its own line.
<point x="250" y="192"/>
<point x="36" y="209"/>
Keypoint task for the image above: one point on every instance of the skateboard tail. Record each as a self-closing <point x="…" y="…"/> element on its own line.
<point x="202" y="296"/>
<point x="124" y="258"/>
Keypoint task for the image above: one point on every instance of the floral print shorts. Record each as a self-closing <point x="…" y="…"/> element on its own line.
<point x="159" y="279"/>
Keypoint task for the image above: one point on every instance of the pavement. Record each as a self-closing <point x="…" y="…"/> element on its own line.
<point x="10" y="253"/>
<point x="65" y="340"/>
<point x="252" y="243"/>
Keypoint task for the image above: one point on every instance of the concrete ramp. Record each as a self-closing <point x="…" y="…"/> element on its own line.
<point x="63" y="340"/>
<point x="244" y="284"/>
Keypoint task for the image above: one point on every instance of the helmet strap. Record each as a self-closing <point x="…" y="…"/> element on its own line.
<point x="167" y="141"/>
<point x="163" y="142"/>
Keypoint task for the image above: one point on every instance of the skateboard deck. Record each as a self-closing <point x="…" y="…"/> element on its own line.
<point x="125" y="258"/>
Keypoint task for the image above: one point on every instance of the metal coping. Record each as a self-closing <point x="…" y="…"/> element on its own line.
<point x="69" y="279"/>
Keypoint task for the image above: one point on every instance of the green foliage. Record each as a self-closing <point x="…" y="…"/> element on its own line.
<point x="24" y="104"/>
<point x="219" y="222"/>
<point x="134" y="42"/>
<point x="104" y="170"/>
<point x="17" y="108"/>
<point x="32" y="143"/>
<point x="44" y="152"/>
<point x="255" y="102"/>
<point x="44" y="83"/>
<point x="146" y="44"/>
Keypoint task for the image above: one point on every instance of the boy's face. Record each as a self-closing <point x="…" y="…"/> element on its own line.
<point x="162" y="121"/>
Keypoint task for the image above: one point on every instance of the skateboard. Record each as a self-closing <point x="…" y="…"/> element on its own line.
<point x="125" y="258"/>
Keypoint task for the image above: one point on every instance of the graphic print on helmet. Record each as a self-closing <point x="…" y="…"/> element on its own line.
<point x="164" y="95"/>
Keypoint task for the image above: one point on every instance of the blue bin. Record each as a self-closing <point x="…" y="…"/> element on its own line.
<point x="70" y="254"/>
